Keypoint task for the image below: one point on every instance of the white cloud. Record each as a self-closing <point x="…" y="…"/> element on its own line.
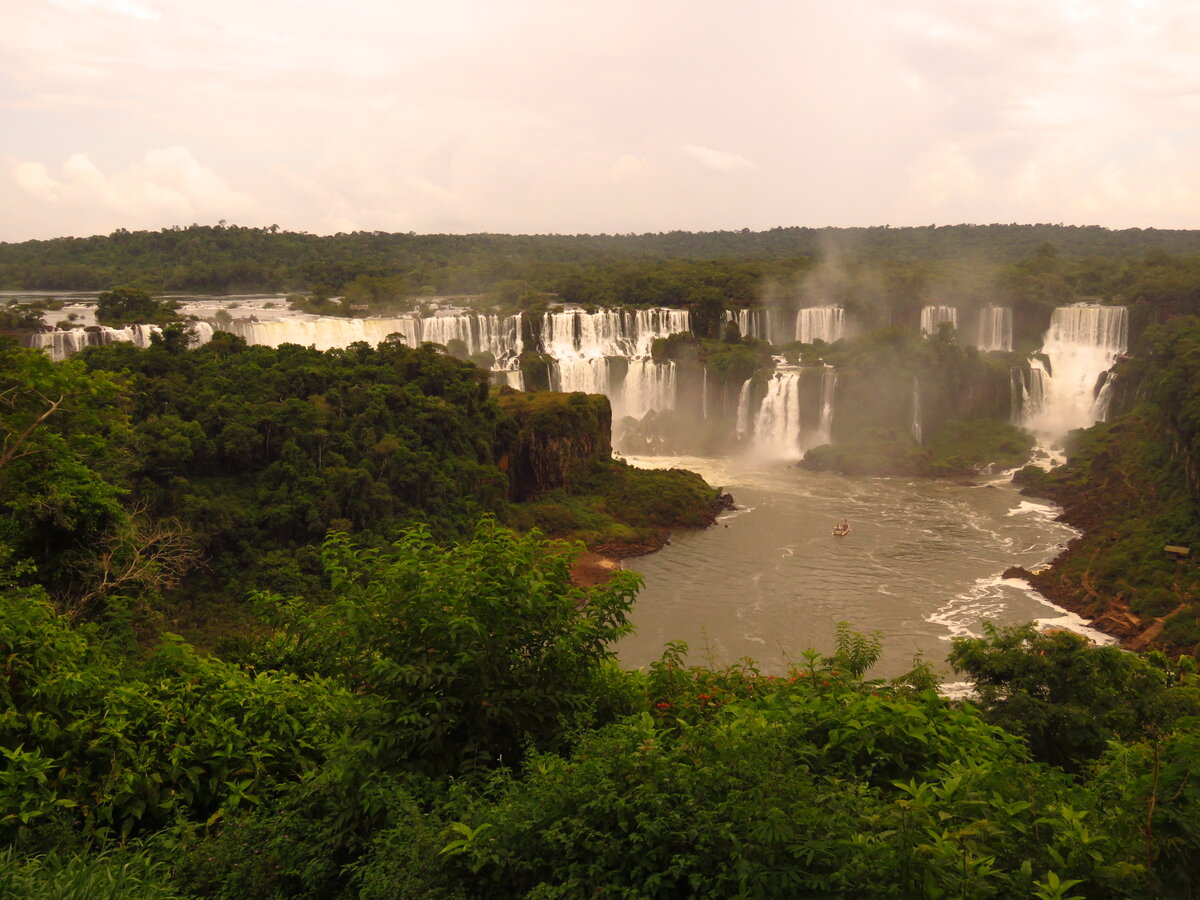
<point x="36" y="179"/>
<point x="472" y="115"/>
<point x="167" y="185"/>
<point x="717" y="160"/>
<point x="628" y="166"/>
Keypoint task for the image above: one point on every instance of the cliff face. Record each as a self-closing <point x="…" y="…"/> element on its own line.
<point x="552" y="438"/>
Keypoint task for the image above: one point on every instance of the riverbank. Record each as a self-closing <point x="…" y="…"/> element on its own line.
<point x="1123" y="490"/>
<point x="597" y="564"/>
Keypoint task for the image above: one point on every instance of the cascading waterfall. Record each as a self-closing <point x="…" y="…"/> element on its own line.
<point x="513" y="378"/>
<point x="1033" y="391"/>
<point x="582" y="344"/>
<point x="777" y="422"/>
<point x="1082" y="343"/>
<point x="794" y="412"/>
<point x="743" y="411"/>
<point x="704" y="392"/>
<point x="648" y="386"/>
<point x="574" y="373"/>
<point x="62" y="344"/>
<point x="995" y="328"/>
<point x="755" y="323"/>
<point x="932" y="318"/>
<point x="916" y="412"/>
<point x="820" y="323"/>
<point x="480" y="333"/>
<point x="828" y="390"/>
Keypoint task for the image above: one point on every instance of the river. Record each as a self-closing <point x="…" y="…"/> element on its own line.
<point x="921" y="565"/>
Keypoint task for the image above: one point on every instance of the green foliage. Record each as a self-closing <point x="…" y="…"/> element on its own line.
<point x="18" y="316"/>
<point x="790" y="788"/>
<point x="125" y="748"/>
<point x="133" y="305"/>
<point x="1067" y="698"/>
<point x="478" y="651"/>
<point x="961" y="447"/>
<point x="260" y="450"/>
<point x="612" y="506"/>
<point x="856" y="652"/>
<point x="107" y="876"/>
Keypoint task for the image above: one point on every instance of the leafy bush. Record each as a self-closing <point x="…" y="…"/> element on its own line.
<point x="478" y="650"/>
<point x="109" y="876"/>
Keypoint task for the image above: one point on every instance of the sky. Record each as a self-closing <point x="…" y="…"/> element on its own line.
<point x="576" y="116"/>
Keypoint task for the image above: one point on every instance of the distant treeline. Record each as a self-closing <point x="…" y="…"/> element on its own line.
<point x="647" y="268"/>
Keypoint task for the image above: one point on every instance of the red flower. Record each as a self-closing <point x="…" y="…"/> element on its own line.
<point x="663" y="704"/>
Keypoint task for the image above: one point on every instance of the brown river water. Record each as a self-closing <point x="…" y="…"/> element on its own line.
<point x="921" y="565"/>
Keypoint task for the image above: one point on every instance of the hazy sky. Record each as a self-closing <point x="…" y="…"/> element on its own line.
<point x="584" y="116"/>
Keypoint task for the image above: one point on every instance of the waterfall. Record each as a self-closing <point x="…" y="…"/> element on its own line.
<point x="574" y="373"/>
<point x="498" y="335"/>
<point x="1082" y="343"/>
<point x="62" y="344"/>
<point x="609" y="332"/>
<point x="582" y="343"/>
<point x="777" y="423"/>
<point x="704" y="392"/>
<point x="933" y="316"/>
<point x="995" y="328"/>
<point x="755" y="323"/>
<point x="828" y="389"/>
<point x="513" y="378"/>
<point x="743" y="410"/>
<point x="648" y="386"/>
<point x="1033" y="391"/>
<point x="916" y="411"/>
<point x="820" y="323"/>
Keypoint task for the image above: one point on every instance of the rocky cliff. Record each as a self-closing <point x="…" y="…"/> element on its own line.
<point x="552" y="438"/>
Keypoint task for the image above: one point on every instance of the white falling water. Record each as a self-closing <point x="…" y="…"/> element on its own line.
<point x="1082" y="343"/>
<point x="828" y="390"/>
<point x="648" y="386"/>
<point x="1033" y="391"/>
<point x="755" y="323"/>
<point x="933" y="316"/>
<point x="777" y="422"/>
<point x="820" y="323"/>
<point x="498" y="335"/>
<point x="704" y="392"/>
<point x="325" y="332"/>
<point x="995" y="328"/>
<point x="575" y="373"/>
<point x="513" y="378"/>
<point x="62" y="344"/>
<point x="609" y="332"/>
<point x="582" y="344"/>
<point x="743" y="410"/>
<point x="917" y="432"/>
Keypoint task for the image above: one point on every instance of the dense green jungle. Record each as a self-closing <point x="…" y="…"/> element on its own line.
<point x="284" y="623"/>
